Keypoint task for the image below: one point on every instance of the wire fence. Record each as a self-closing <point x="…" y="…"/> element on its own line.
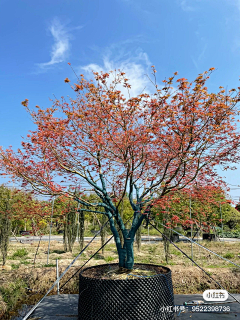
<point x="163" y="235"/>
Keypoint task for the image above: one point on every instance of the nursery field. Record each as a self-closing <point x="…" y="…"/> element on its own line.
<point x="22" y="281"/>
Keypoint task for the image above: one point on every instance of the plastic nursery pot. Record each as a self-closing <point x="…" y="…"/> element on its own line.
<point x="209" y="236"/>
<point x="194" y="234"/>
<point x="139" y="298"/>
<point x="174" y="238"/>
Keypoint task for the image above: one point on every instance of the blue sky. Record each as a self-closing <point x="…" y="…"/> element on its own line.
<point x="39" y="38"/>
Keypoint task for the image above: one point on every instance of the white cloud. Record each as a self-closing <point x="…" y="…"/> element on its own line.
<point x="61" y="45"/>
<point x="238" y="4"/>
<point x="198" y="60"/>
<point x="137" y="68"/>
<point x="185" y="5"/>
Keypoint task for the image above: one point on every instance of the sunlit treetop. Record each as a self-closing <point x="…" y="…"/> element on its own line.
<point x="115" y="142"/>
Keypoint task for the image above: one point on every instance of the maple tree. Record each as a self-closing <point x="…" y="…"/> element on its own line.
<point x="65" y="213"/>
<point x="6" y="202"/>
<point x="204" y="203"/>
<point x="31" y="212"/>
<point x="10" y="210"/>
<point x="127" y="146"/>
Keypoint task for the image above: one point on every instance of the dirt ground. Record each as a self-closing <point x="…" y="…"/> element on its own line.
<point x="186" y="277"/>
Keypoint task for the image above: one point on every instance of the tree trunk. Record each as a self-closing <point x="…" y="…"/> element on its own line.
<point x="121" y="238"/>
<point x="70" y="229"/>
<point x="125" y="252"/>
<point x="4" y="236"/>
<point x="103" y="232"/>
<point x="138" y="238"/>
<point x="81" y="230"/>
<point x="167" y="233"/>
<point x="126" y="255"/>
<point x="65" y="244"/>
<point x="120" y="232"/>
<point x="129" y="262"/>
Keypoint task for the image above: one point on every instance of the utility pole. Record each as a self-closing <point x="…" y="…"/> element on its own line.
<point x="221" y="219"/>
<point x="77" y="218"/>
<point x="190" y="210"/>
<point x="57" y="276"/>
<point x="50" y="231"/>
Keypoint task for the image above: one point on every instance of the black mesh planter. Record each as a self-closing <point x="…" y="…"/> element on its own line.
<point x="174" y="238"/>
<point x="143" y="298"/>
<point x="209" y="236"/>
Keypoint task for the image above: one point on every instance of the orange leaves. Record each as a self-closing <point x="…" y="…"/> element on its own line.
<point x="25" y="103"/>
<point x="182" y="80"/>
<point x="173" y="137"/>
<point x="78" y="87"/>
<point x="153" y="69"/>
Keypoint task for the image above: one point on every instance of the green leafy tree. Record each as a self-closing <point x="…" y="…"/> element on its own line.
<point x="65" y="214"/>
<point x="6" y="204"/>
<point x="70" y="227"/>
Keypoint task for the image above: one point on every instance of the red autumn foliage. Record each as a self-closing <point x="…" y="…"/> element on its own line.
<point x="123" y="146"/>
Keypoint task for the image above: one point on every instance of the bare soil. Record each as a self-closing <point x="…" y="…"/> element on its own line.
<point x="113" y="272"/>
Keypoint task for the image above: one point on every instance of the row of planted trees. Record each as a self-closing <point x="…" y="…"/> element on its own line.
<point x="22" y="211"/>
<point x="198" y="207"/>
<point x="19" y="211"/>
<point x="205" y="207"/>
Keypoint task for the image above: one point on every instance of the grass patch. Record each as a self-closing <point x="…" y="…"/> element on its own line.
<point x="176" y="252"/>
<point x="109" y="259"/>
<point x="228" y="255"/>
<point x="11" y="292"/>
<point x="146" y="260"/>
<point x="152" y="249"/>
<point x="58" y="251"/>
<point x="25" y="262"/>
<point x="152" y="231"/>
<point x="98" y="257"/>
<point x="20" y="253"/>
<point x="49" y="265"/>
<point x="15" y="266"/>
<point x="110" y="247"/>
<point x="83" y="255"/>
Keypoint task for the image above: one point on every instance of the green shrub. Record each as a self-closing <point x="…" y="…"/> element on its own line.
<point x="25" y="262"/>
<point x="176" y="252"/>
<point x="229" y="234"/>
<point x="12" y="292"/>
<point x="228" y="255"/>
<point x="49" y="265"/>
<point x="109" y="259"/>
<point x="58" y="251"/>
<point x="20" y="253"/>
